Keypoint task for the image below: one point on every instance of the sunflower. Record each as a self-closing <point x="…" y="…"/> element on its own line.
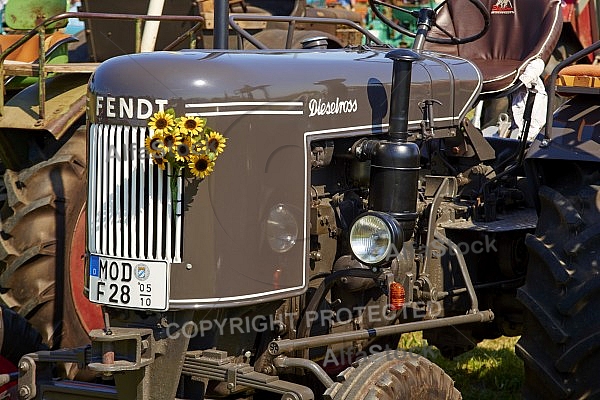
<point x="159" y="160"/>
<point x="171" y="140"/>
<point x="191" y="125"/>
<point x="161" y="122"/>
<point x="201" y="166"/>
<point x="183" y="149"/>
<point x="214" y="143"/>
<point x="155" y="143"/>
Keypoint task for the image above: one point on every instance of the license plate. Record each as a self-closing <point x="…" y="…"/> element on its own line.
<point x="125" y="283"/>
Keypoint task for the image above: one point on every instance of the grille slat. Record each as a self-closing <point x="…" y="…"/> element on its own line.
<point x="159" y="212"/>
<point x="120" y="159"/>
<point x="104" y="209"/>
<point x="111" y="190"/>
<point x="127" y="183"/>
<point x="98" y="196"/>
<point x="130" y="209"/>
<point x="142" y="201"/>
<point x="169" y="212"/>
<point x="150" y="207"/>
<point x="91" y="214"/>
<point x="134" y="200"/>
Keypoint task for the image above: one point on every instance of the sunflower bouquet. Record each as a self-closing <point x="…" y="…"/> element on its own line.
<point x="185" y="143"/>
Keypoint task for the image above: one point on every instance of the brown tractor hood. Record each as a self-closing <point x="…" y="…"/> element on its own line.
<point x="270" y="105"/>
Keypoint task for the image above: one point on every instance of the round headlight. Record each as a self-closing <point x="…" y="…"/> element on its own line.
<point x="282" y="229"/>
<point x="375" y="238"/>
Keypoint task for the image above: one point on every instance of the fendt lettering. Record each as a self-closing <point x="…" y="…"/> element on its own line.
<point x="128" y="107"/>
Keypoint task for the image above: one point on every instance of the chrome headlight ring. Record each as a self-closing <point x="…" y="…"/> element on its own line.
<point x="375" y="238"/>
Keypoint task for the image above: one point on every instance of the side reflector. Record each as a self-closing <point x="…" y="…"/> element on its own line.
<point x="396" y="296"/>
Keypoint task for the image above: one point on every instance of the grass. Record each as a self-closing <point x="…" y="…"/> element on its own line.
<point x="489" y="371"/>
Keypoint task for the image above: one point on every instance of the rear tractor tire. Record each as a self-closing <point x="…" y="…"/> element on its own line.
<point x="560" y="344"/>
<point x="42" y="244"/>
<point x="393" y="375"/>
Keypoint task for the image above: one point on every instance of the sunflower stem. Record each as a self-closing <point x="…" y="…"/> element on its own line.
<point x="173" y="179"/>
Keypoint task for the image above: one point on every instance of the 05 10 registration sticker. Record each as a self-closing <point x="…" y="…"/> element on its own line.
<point x="136" y="284"/>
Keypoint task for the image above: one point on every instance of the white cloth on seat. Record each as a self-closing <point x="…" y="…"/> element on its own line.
<point x="531" y="78"/>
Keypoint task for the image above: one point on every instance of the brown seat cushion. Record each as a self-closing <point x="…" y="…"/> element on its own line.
<point x="498" y="74"/>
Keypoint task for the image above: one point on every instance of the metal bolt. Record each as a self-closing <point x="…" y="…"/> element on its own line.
<point x="24" y="392"/>
<point x="230" y="386"/>
<point x="315" y="255"/>
<point x="247" y="354"/>
<point x="23" y="366"/>
<point x="273" y="348"/>
<point x="188" y="266"/>
<point x="545" y="143"/>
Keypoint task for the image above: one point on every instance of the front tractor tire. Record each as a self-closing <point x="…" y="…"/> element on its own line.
<point x="42" y="238"/>
<point x="393" y="375"/>
<point x="560" y="344"/>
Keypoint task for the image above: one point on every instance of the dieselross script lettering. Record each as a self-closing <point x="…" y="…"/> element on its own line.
<point x="320" y="107"/>
<point x="128" y="107"/>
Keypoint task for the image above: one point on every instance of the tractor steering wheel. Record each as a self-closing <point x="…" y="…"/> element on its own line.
<point x="427" y="18"/>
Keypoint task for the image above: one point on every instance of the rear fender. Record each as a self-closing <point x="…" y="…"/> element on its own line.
<point x="20" y="126"/>
<point x="573" y="144"/>
<point x="575" y="133"/>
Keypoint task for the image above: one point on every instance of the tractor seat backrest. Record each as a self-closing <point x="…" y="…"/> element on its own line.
<point x="520" y="30"/>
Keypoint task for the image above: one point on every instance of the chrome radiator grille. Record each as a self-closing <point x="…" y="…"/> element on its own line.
<point x="130" y="203"/>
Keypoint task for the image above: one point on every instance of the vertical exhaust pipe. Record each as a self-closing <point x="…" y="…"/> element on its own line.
<point x="400" y="96"/>
<point x="395" y="162"/>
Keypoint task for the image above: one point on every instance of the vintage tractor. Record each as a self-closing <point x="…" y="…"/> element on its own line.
<point x="42" y="126"/>
<point x="266" y="223"/>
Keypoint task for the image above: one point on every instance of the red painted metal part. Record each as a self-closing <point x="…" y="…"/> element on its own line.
<point x="581" y="16"/>
<point x="568" y="11"/>
<point x="90" y="315"/>
<point x="7" y="367"/>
